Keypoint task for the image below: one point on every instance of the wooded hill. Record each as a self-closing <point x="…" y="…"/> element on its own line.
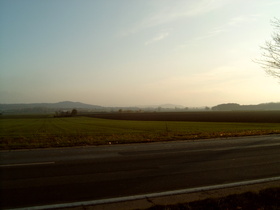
<point x="237" y="107"/>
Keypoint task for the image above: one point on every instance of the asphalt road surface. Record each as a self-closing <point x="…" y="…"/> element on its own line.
<point x="65" y="175"/>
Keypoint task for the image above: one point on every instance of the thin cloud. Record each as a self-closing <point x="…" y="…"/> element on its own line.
<point x="233" y="22"/>
<point x="159" y="37"/>
<point x="171" y="12"/>
<point x="210" y="34"/>
<point x="242" y="19"/>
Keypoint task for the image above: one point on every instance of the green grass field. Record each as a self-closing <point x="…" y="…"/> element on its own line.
<point x="24" y="132"/>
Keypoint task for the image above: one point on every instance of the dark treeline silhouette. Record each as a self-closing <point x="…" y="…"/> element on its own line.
<point x="65" y="113"/>
<point x="237" y="107"/>
<point x="65" y="108"/>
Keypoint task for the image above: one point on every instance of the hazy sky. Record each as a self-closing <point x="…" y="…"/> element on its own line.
<point x="136" y="52"/>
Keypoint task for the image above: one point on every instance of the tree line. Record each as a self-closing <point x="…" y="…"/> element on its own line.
<point x="66" y="113"/>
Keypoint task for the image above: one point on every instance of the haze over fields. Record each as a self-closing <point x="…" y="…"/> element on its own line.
<point x="131" y="53"/>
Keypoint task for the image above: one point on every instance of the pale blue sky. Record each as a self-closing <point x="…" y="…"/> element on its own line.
<point x="136" y="52"/>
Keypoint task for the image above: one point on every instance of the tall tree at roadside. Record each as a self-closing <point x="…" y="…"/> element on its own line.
<point x="270" y="60"/>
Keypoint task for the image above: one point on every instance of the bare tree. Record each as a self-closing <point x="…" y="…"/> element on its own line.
<point x="270" y="60"/>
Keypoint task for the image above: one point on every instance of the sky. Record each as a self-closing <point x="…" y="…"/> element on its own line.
<point x="136" y="52"/>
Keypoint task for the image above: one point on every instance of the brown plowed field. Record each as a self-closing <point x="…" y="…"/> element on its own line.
<point x="211" y="116"/>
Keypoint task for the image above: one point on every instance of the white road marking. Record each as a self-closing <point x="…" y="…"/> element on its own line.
<point x="151" y="195"/>
<point x="27" y="164"/>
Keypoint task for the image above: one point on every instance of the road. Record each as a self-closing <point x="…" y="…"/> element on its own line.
<point x="65" y="175"/>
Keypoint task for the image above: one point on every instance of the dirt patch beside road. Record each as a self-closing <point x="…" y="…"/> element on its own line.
<point x="265" y="199"/>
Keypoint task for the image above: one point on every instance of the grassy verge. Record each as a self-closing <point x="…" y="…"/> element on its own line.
<point x="265" y="199"/>
<point x="24" y="132"/>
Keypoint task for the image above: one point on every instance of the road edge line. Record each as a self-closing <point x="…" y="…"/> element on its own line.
<point x="150" y="195"/>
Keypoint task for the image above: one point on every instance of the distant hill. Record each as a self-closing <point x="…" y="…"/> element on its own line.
<point x="237" y="107"/>
<point x="45" y="107"/>
<point x="164" y="106"/>
<point x="70" y="104"/>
